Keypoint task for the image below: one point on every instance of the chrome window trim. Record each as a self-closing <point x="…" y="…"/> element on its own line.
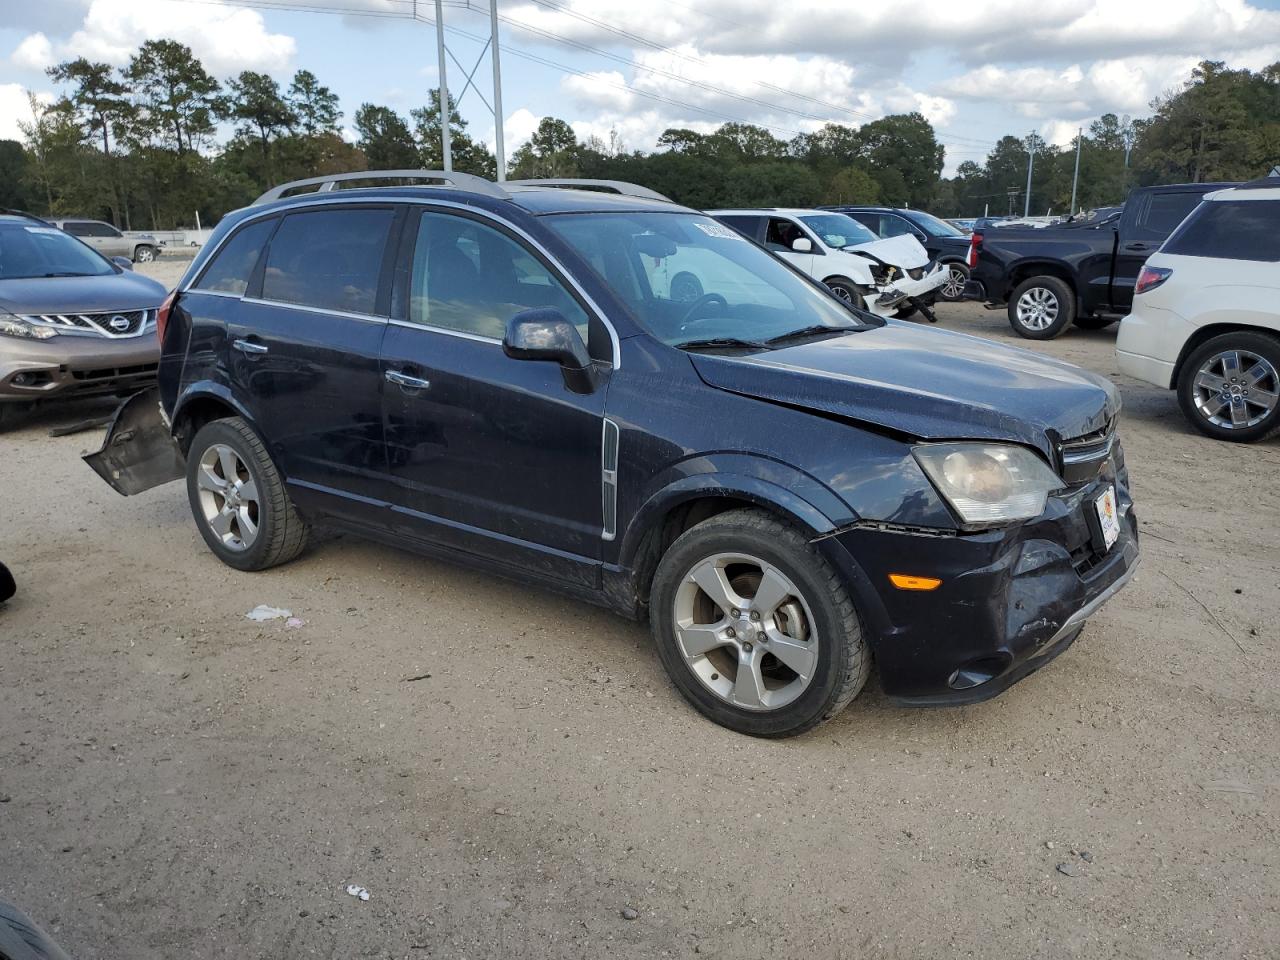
<point x="461" y="334"/>
<point x="367" y="317"/>
<point x="616" y="347"/>
<point x="217" y="293"/>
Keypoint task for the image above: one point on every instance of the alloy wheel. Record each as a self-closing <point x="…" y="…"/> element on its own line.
<point x="842" y="294"/>
<point x="953" y="287"/>
<point x="1037" y="308"/>
<point x="228" y="497"/>
<point x="745" y="631"/>
<point x="145" y="255"/>
<point x="1235" y="389"/>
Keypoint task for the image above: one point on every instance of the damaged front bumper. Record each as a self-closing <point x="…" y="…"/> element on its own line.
<point x="890" y="297"/>
<point x="1010" y="600"/>
<point x="138" y="452"/>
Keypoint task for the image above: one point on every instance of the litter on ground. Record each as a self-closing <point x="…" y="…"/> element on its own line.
<point x="263" y="612"/>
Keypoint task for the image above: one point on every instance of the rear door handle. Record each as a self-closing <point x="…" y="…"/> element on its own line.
<point x="404" y="380"/>
<point x="248" y="346"/>
<point x="1138" y="245"/>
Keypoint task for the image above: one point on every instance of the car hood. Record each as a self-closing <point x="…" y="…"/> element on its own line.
<point x="901" y="251"/>
<point x="927" y="383"/>
<point x="116" y="291"/>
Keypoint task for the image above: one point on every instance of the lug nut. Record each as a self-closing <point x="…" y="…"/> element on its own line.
<point x="731" y="633"/>
<point x="746" y="648"/>
<point x="754" y="615"/>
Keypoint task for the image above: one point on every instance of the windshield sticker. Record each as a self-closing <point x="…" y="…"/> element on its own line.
<point x="718" y="230"/>
<point x="45" y="230"/>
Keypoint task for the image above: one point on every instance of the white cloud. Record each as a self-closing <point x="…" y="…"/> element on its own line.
<point x="15" y="108"/>
<point x="226" y="39"/>
<point x="34" y="53"/>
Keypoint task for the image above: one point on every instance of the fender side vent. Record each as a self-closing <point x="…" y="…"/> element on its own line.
<point x="609" y="478"/>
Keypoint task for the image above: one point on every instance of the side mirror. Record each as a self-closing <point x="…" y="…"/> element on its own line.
<point x="802" y="245"/>
<point x="124" y="263"/>
<point x="545" y="334"/>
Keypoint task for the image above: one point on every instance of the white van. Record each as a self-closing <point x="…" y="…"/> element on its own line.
<point x="889" y="277"/>
<point x="1206" y="314"/>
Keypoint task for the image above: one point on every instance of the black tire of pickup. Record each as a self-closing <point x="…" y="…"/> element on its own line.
<point x="1041" y="308"/>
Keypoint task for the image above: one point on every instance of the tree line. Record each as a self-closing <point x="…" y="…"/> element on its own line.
<point x="137" y="146"/>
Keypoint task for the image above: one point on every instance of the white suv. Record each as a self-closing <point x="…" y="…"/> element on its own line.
<point x="1206" y="314"/>
<point x="889" y="277"/>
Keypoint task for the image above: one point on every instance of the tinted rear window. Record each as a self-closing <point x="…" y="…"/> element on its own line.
<point x="1230" y="230"/>
<point x="328" y="259"/>
<point x="232" y="266"/>
<point x="1164" y="211"/>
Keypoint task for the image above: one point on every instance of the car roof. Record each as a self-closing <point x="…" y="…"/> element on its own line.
<point x="766" y="211"/>
<point x="1268" y="188"/>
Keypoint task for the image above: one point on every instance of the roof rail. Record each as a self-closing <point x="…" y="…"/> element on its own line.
<point x="607" y="186"/>
<point x="326" y="184"/>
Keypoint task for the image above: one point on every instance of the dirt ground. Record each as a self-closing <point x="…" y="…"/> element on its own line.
<point x="506" y="771"/>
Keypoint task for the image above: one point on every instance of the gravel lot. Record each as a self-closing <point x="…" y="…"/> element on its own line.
<point x="507" y="771"/>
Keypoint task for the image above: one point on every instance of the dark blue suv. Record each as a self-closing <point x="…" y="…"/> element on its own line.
<point x="583" y="385"/>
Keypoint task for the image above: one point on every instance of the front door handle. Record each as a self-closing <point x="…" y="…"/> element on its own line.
<point x="1138" y="245"/>
<point x="249" y="347"/>
<point x="404" y="380"/>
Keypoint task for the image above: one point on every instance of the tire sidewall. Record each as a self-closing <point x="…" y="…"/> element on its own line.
<point x="857" y="300"/>
<point x="144" y="254"/>
<point x="223" y="431"/>
<point x="1066" y="308"/>
<point x="833" y="649"/>
<point x="1259" y="343"/>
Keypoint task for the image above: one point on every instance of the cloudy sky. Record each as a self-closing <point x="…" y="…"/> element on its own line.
<point x="976" y="68"/>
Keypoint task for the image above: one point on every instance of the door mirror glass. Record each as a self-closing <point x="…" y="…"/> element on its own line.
<point x="124" y="263"/>
<point x="802" y="245"/>
<point x="545" y="334"/>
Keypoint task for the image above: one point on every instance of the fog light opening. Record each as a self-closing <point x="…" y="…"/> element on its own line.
<point x="976" y="672"/>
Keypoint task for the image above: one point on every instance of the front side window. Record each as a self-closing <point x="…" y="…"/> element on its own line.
<point x="935" y="227"/>
<point x="233" y="264"/>
<point x="1230" y="230"/>
<point x="471" y="278"/>
<point x="328" y="259"/>
<point x="686" y="277"/>
<point x="838" y="230"/>
<point x="893" y="226"/>
<point x="781" y="234"/>
<point x="30" y="249"/>
<point x="77" y="229"/>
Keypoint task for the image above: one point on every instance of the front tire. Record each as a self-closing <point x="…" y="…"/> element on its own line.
<point x="1041" y="308"/>
<point x="1229" y="388"/>
<point x="239" y="500"/>
<point x="755" y="628"/>
<point x="953" y="289"/>
<point x="144" y="254"/>
<point x="846" y="291"/>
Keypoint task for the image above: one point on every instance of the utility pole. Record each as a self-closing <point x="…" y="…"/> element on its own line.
<point x="1075" y="177"/>
<point x="1031" y="162"/>
<point x="497" y="92"/>
<point x="445" y="145"/>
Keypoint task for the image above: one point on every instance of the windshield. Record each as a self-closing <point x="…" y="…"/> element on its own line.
<point x="935" y="227"/>
<point x="690" y="279"/>
<point x="839" y="230"/>
<point x="31" y="249"/>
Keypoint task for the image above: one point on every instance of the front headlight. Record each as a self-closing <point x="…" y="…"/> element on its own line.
<point x="11" y="326"/>
<point x="989" y="482"/>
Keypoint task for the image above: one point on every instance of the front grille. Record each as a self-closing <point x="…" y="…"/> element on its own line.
<point x="123" y="323"/>
<point x="1081" y="459"/>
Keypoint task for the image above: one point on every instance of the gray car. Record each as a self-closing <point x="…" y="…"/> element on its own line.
<point x="110" y="242"/>
<point x="72" y="322"/>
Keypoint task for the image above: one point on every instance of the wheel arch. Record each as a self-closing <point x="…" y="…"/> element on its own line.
<point x="676" y="508"/>
<point x="1025" y="270"/>
<point x="202" y="403"/>
<point x="1203" y="335"/>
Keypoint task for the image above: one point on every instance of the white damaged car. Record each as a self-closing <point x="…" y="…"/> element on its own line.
<point x="893" y="277"/>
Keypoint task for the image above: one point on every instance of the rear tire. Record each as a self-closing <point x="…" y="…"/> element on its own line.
<point x="846" y="291"/>
<point x="776" y="593"/>
<point x="1041" y="308"/>
<point x="1229" y="388"/>
<point x="239" y="500"/>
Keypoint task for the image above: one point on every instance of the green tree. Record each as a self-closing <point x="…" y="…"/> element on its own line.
<point x="14" y="186"/>
<point x="467" y="155"/>
<point x="97" y="97"/>
<point x="904" y="156"/>
<point x="177" y="97"/>
<point x="551" y="152"/>
<point x="385" y="138"/>
<point x="745" y="143"/>
<point x="852" y="185"/>
<point x="256" y="103"/>
<point x="315" y="106"/>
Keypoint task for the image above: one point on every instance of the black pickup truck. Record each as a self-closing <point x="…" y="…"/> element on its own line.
<point x="1081" y="273"/>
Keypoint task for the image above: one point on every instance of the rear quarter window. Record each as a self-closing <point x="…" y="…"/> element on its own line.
<point x="1230" y="230"/>
<point x="328" y="259"/>
<point x="232" y="266"/>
